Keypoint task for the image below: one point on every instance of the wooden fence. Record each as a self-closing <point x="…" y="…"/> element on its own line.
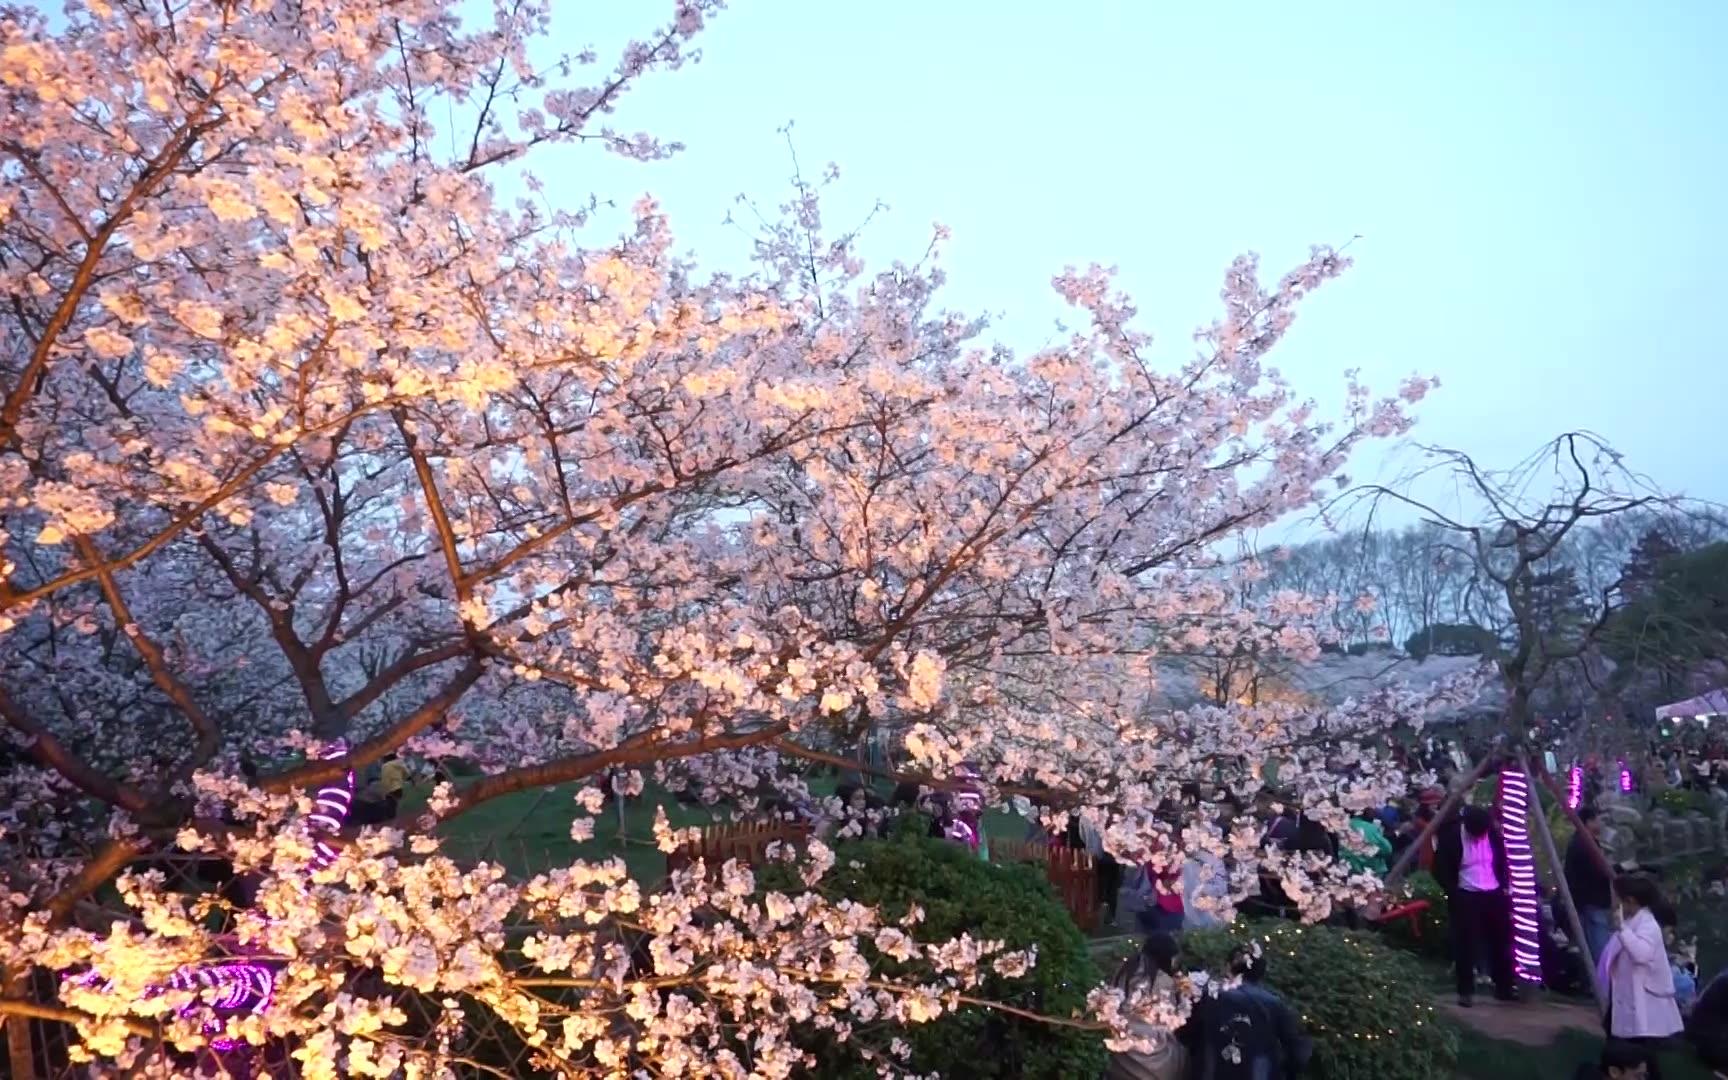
<point x="1070" y="870"/>
<point x="746" y="842"/>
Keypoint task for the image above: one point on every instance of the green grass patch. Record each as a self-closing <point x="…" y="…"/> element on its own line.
<point x="1482" y="1058"/>
<point x="529" y="831"/>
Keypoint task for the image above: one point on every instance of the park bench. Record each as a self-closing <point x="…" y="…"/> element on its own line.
<point x="1412" y="911"/>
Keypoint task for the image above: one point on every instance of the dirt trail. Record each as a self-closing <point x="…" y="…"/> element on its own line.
<point x="1530" y="1023"/>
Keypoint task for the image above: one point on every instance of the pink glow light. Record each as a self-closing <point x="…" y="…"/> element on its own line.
<point x="334" y="803"/>
<point x="1575" y="787"/>
<point x="249" y="986"/>
<point x="1526" y="918"/>
<point x="1625" y="777"/>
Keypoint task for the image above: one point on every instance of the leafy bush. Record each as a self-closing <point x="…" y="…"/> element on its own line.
<point x="1560" y="826"/>
<point x="1681" y="801"/>
<point x="1365" y="1005"/>
<point x="961" y="893"/>
<point x="1434" y="926"/>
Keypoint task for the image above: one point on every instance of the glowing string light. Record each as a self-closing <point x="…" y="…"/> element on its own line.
<point x="334" y="802"/>
<point x="1575" y="787"/>
<point x="1526" y="917"/>
<point x="1625" y="777"/>
<point x="238" y="986"/>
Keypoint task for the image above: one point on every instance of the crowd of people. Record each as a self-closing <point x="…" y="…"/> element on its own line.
<point x="1700" y="766"/>
<point x="1625" y="925"/>
<point x="1624" y="937"/>
<point x="1622" y="948"/>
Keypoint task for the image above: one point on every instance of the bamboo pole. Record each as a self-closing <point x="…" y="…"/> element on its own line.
<point x="1559" y="868"/>
<point x="1457" y="795"/>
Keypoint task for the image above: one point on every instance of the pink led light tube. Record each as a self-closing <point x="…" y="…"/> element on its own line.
<point x="246" y="985"/>
<point x="1526" y="916"/>
<point x="338" y="799"/>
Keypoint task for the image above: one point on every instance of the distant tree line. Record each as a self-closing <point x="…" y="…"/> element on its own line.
<point x="1650" y="588"/>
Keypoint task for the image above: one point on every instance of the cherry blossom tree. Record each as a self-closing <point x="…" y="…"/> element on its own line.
<point x="313" y="448"/>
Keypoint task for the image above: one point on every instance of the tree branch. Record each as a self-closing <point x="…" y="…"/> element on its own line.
<point x="52" y="754"/>
<point x="642" y="750"/>
<point x="374" y="749"/>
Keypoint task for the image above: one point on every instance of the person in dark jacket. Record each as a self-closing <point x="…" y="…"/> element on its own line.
<point x="1249" y="1033"/>
<point x="1591" y="887"/>
<point x="1470" y="864"/>
<point x="1311" y="836"/>
<point x="1282" y="831"/>
<point x="1707" y="1027"/>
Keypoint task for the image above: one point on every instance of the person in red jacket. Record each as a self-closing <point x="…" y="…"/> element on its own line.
<point x="1161" y="887"/>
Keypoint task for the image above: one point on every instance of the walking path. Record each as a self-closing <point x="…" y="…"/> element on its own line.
<point x="1531" y="1023"/>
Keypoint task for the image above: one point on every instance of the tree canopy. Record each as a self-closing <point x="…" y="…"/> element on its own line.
<point x="314" y="448"/>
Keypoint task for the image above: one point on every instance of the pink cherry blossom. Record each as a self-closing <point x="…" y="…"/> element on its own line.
<point x="307" y="434"/>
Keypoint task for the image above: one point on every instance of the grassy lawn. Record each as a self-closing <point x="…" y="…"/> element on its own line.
<point x="1482" y="1058"/>
<point x="529" y="832"/>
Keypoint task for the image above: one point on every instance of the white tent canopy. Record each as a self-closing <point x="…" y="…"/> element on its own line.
<point x="1713" y="703"/>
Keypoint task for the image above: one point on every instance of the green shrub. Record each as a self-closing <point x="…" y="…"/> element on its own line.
<point x="1486" y="792"/>
<point x="1681" y="801"/>
<point x="1434" y="925"/>
<point x="961" y="893"/>
<point x="1365" y="1005"/>
<point x="1560" y="826"/>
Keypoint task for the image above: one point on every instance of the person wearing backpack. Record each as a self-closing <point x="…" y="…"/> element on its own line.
<point x="1249" y="1033"/>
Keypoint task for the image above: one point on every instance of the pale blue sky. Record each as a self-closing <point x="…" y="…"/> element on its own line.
<point x="1539" y="185"/>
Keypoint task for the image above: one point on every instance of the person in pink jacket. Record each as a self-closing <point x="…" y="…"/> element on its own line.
<point x="1635" y="974"/>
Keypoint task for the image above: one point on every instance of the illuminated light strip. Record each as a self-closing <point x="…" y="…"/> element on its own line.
<point x="337" y="798"/>
<point x="1526" y="914"/>
<point x="1625" y="777"/>
<point x="247" y="985"/>
<point x="1575" y="787"/>
<point x="960" y="831"/>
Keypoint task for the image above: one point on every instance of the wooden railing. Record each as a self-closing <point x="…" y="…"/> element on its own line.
<point x="1070" y="870"/>
<point x="746" y="842"/>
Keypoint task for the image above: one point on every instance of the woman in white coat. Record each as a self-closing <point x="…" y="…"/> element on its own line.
<point x="1635" y="974"/>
